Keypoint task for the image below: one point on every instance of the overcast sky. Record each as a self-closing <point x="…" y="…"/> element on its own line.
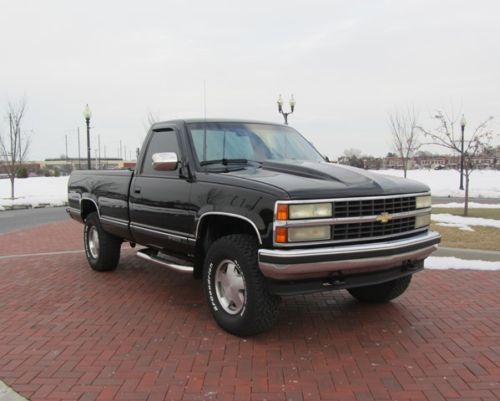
<point x="348" y="63"/>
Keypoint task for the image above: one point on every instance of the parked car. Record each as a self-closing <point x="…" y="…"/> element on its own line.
<point x="254" y="211"/>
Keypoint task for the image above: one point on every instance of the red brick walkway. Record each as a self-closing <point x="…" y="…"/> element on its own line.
<point x="144" y="333"/>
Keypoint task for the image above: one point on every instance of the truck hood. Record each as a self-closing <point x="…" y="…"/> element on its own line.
<point x="308" y="180"/>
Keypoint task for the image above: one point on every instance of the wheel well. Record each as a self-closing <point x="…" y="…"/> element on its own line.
<point x="211" y="229"/>
<point x="87" y="206"/>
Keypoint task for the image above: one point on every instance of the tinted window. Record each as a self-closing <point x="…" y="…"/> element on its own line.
<point x="161" y="141"/>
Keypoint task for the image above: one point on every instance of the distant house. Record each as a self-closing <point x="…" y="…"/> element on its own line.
<point x="442" y="161"/>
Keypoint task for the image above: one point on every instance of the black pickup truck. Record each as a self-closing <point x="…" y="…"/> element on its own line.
<point x="255" y="211"/>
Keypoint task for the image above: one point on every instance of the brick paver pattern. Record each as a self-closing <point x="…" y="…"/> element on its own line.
<point x="145" y="333"/>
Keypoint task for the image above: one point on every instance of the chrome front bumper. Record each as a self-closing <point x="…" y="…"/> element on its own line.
<point x="298" y="264"/>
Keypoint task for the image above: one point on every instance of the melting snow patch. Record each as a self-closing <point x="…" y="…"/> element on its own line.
<point x="465" y="221"/>
<point x="445" y="263"/>
<point x="455" y="225"/>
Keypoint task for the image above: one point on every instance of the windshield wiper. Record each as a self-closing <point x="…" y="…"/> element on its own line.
<point x="224" y="162"/>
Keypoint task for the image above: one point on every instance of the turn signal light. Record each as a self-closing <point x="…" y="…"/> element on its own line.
<point x="281" y="235"/>
<point x="282" y="211"/>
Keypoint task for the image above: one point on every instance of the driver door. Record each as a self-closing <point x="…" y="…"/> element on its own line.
<point x="159" y="200"/>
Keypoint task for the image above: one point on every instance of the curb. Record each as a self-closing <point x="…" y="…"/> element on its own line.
<point x="5" y="208"/>
<point x="7" y="394"/>
<point x="468" y="254"/>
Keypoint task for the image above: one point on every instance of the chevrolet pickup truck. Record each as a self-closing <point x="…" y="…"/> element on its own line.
<point x="254" y="211"/>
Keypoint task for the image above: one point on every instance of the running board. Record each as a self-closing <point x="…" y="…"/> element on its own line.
<point x="151" y="256"/>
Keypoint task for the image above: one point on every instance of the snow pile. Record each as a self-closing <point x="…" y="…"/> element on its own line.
<point x="35" y="192"/>
<point x="483" y="183"/>
<point x="472" y="205"/>
<point x="444" y="263"/>
<point x="463" y="223"/>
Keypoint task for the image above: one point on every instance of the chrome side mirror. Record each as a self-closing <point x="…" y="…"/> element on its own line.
<point x="166" y="161"/>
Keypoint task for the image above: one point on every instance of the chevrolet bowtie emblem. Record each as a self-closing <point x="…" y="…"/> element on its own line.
<point x="384" y="217"/>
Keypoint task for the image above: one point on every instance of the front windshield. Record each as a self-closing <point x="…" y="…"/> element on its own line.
<point x="221" y="141"/>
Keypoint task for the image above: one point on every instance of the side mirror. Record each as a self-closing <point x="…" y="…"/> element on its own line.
<point x="166" y="161"/>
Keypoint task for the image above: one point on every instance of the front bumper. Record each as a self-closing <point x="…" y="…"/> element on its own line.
<point x="303" y="264"/>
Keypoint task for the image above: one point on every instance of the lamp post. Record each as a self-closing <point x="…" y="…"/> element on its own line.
<point x="462" y="125"/>
<point x="87" y="114"/>
<point x="280" y="107"/>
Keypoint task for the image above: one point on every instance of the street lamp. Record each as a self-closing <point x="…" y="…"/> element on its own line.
<point x="87" y="114"/>
<point x="462" y="125"/>
<point x="280" y="107"/>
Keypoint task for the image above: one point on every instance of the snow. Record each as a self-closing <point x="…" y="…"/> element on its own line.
<point x="463" y="223"/>
<point x="35" y="191"/>
<point x="483" y="183"/>
<point x="444" y="263"/>
<point x="472" y="205"/>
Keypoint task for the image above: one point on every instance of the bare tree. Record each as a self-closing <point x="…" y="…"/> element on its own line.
<point x="15" y="145"/>
<point x="404" y="134"/>
<point x="446" y="135"/>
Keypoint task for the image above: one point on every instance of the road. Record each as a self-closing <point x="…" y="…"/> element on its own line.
<point x="11" y="220"/>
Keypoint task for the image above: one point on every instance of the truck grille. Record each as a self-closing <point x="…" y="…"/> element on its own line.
<point x="372" y="229"/>
<point x="372" y="207"/>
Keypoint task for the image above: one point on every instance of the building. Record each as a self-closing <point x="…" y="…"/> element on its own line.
<point x="74" y="163"/>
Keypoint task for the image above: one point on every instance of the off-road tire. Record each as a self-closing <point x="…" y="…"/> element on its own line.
<point x="260" y="308"/>
<point x="108" y="254"/>
<point x="380" y="293"/>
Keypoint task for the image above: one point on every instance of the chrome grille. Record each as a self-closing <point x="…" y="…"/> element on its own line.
<point x="371" y="207"/>
<point x="372" y="229"/>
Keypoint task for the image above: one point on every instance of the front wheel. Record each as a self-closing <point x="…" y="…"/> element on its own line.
<point x="380" y="293"/>
<point x="235" y="288"/>
<point x="102" y="249"/>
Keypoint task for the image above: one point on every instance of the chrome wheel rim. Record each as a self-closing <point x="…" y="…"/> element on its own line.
<point x="93" y="240"/>
<point x="230" y="287"/>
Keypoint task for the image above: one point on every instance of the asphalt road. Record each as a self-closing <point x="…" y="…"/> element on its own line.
<point x="11" y="220"/>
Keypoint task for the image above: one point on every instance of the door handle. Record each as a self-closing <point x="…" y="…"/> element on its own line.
<point x="137" y="190"/>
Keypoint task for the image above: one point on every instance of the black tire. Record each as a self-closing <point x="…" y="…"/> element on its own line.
<point x="106" y="256"/>
<point x="259" y="309"/>
<point x="380" y="293"/>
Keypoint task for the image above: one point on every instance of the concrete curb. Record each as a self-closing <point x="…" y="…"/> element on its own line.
<point x="5" y="208"/>
<point x="7" y="394"/>
<point x="468" y="254"/>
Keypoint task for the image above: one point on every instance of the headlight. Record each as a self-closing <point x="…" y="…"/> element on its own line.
<point x="302" y="234"/>
<point x="423" y="202"/>
<point x="310" y="210"/>
<point x="422" y="220"/>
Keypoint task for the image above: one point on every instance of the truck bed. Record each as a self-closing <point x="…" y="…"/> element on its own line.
<point x="107" y="189"/>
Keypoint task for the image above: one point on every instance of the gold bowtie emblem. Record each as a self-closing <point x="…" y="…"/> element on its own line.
<point x="384" y="217"/>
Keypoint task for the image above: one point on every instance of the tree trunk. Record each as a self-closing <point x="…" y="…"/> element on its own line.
<point x="405" y="167"/>
<point x="466" y="204"/>
<point x="12" y="178"/>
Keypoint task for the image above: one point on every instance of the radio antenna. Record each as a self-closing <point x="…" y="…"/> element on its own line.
<point x="205" y="122"/>
<point x="205" y="99"/>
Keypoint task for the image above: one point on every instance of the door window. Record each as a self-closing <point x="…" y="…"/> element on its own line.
<point x="161" y="141"/>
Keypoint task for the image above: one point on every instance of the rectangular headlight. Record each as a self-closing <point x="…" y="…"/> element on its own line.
<point x="422" y="220"/>
<point x="423" y="202"/>
<point x="310" y="211"/>
<point x="304" y="234"/>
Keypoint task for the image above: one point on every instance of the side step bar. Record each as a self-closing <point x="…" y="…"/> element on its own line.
<point x="152" y="256"/>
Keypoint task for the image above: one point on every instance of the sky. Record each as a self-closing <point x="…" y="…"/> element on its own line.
<point x="348" y="63"/>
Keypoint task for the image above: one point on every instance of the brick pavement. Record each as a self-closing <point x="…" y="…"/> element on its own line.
<point x="144" y="333"/>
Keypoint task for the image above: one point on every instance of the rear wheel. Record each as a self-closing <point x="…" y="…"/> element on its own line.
<point x="102" y="249"/>
<point x="380" y="293"/>
<point x="235" y="288"/>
